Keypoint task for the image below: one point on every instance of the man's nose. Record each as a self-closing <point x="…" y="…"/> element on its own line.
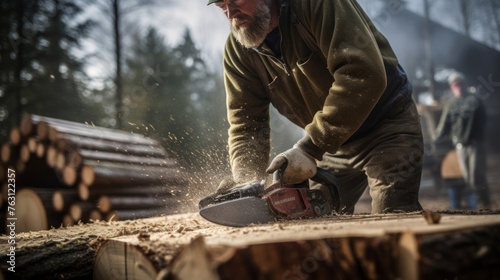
<point x="231" y="12"/>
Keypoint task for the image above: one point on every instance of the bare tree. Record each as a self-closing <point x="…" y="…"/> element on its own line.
<point x="495" y="16"/>
<point x="428" y="48"/>
<point x="466" y="16"/>
<point x="118" y="10"/>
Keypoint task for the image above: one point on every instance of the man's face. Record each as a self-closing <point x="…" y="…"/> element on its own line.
<point x="249" y="20"/>
<point x="457" y="88"/>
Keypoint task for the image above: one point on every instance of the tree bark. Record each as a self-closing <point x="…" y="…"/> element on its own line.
<point x="335" y="247"/>
<point x="63" y="198"/>
<point x="397" y="247"/>
<point x="95" y="173"/>
<point x="76" y="157"/>
<point x="86" y="192"/>
<point x="15" y="136"/>
<point x="56" y="130"/>
<point x="107" y="203"/>
<point x="67" y="253"/>
<point x="70" y="142"/>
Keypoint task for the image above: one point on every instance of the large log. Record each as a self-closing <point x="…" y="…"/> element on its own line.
<point x="83" y="211"/>
<point x="33" y="211"/>
<point x="69" y="142"/>
<point x="63" y="198"/>
<point x="77" y="157"/>
<point x="30" y="125"/>
<point x="15" y="136"/>
<point x="107" y="203"/>
<point x="361" y="248"/>
<point x="96" y="173"/>
<point x="66" y="253"/>
<point x="8" y="152"/>
<point x="309" y="248"/>
<point x="56" y="129"/>
<point x="86" y="193"/>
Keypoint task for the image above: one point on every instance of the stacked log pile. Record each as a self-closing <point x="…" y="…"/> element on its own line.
<point x="69" y="172"/>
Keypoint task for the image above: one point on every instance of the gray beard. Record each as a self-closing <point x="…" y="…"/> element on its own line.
<point x="254" y="34"/>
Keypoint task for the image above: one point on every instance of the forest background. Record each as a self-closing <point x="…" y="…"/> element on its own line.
<point x="154" y="67"/>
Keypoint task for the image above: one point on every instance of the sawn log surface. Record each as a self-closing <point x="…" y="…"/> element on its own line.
<point x="336" y="247"/>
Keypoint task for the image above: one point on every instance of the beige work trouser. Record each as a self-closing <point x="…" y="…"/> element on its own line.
<point x="388" y="160"/>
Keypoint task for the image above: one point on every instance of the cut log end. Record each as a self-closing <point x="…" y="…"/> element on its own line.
<point x="83" y="192"/>
<point x="69" y="176"/>
<point x="40" y="150"/>
<point x="31" y="211"/>
<point x="123" y="259"/>
<point x="67" y="220"/>
<point x="88" y="175"/>
<point x="6" y="152"/>
<point x="58" y="201"/>
<point x="15" y="136"/>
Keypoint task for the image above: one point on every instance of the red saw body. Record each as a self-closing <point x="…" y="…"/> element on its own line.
<point x="254" y="204"/>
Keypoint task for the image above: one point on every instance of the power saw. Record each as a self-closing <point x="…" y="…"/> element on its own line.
<point x="253" y="203"/>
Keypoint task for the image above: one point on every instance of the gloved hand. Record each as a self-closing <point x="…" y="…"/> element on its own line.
<point x="225" y="185"/>
<point x="301" y="166"/>
<point x="230" y="183"/>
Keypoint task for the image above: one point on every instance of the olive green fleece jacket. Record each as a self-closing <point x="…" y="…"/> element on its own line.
<point x="329" y="89"/>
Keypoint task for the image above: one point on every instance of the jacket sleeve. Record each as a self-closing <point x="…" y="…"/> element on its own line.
<point x="444" y="126"/>
<point x="345" y="37"/>
<point x="248" y="115"/>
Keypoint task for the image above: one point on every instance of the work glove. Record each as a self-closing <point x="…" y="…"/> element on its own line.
<point x="238" y="179"/>
<point x="301" y="166"/>
<point x="225" y="185"/>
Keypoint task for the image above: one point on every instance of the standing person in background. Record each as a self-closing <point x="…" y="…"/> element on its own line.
<point x="324" y="66"/>
<point x="464" y="121"/>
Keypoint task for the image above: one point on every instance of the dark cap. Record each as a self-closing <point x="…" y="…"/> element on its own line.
<point x="213" y="1"/>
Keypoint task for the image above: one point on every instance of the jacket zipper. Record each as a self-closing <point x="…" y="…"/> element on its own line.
<point x="280" y="61"/>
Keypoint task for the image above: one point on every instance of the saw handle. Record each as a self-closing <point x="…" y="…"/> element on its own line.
<point x="329" y="179"/>
<point x="322" y="176"/>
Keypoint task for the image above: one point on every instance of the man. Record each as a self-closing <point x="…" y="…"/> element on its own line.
<point x="324" y="66"/>
<point x="464" y="121"/>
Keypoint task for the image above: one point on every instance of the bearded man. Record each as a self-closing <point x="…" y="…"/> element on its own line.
<point x="324" y="66"/>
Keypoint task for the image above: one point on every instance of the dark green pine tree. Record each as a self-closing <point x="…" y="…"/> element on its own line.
<point x="39" y="72"/>
<point x="145" y="74"/>
<point x="9" y="51"/>
<point x="166" y="91"/>
<point x="55" y="76"/>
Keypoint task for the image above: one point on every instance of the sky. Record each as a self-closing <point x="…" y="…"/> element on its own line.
<point x="208" y="25"/>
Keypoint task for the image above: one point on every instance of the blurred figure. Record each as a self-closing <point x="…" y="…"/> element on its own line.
<point x="464" y="120"/>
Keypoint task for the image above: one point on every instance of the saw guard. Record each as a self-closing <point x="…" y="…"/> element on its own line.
<point x="289" y="203"/>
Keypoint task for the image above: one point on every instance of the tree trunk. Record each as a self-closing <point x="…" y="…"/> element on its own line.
<point x="86" y="192"/>
<point x="94" y="173"/>
<point x="66" y="253"/>
<point x="118" y="52"/>
<point x="428" y="50"/>
<point x="68" y="142"/>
